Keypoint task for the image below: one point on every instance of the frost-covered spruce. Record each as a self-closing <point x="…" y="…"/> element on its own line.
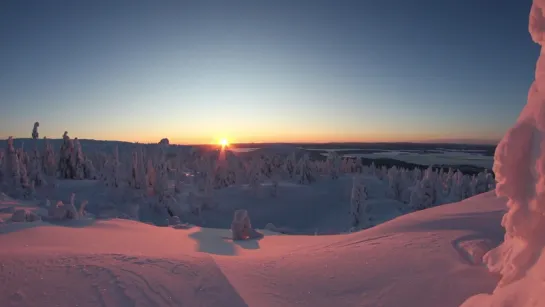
<point x="290" y="165"/>
<point x="66" y="166"/>
<point x="49" y="163"/>
<point x="78" y="161"/>
<point x="161" y="186"/>
<point x="36" y="170"/>
<point x="423" y="193"/>
<point x="305" y="173"/>
<point x="358" y="204"/>
<point x="394" y="184"/>
<point x="150" y="175"/>
<point x="334" y="164"/>
<point x="111" y="174"/>
<point x="12" y="173"/>
<point x="133" y="178"/>
<point x="255" y="176"/>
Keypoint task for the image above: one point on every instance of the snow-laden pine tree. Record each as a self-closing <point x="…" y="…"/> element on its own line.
<point x="150" y="176"/>
<point x="15" y="180"/>
<point x="49" y="162"/>
<point x="36" y="175"/>
<point x="490" y="180"/>
<point x="358" y="165"/>
<point x="480" y="183"/>
<point x="358" y="204"/>
<point x="133" y="178"/>
<point x="66" y="166"/>
<point x="394" y="183"/>
<point x="78" y="161"/>
<point x="334" y="164"/>
<point x="12" y="173"/>
<point x="276" y="176"/>
<point x="305" y="173"/>
<point x="290" y="165"/>
<point x="161" y="187"/>
<point x="519" y="166"/>
<point x="255" y="176"/>
<point x="424" y="193"/>
<point x="141" y="178"/>
<point x="112" y="170"/>
<point x="455" y="191"/>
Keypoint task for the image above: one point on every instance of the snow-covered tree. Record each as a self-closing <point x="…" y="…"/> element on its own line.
<point x="424" y="192"/>
<point x="78" y="161"/>
<point x="66" y="166"/>
<point x="162" y="182"/>
<point x="15" y="180"/>
<point x="334" y="164"/>
<point x="36" y="169"/>
<point x="49" y="163"/>
<point x="255" y="176"/>
<point x="519" y="166"/>
<point x="290" y="165"/>
<point x="304" y="169"/>
<point x="358" y="204"/>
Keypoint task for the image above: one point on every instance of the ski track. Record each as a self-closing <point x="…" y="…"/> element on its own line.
<point x="113" y="280"/>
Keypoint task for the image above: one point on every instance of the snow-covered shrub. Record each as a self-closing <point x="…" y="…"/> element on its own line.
<point x="241" y="228"/>
<point x="23" y="215"/>
<point x="358" y="204"/>
<point x="62" y="211"/>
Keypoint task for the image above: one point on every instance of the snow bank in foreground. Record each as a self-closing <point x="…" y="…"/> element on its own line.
<point x="519" y="164"/>
<point x="126" y="263"/>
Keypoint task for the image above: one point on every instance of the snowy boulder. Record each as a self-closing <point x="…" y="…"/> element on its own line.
<point x="241" y="227"/>
<point x="270" y="227"/>
<point x="22" y="215"/>
<point x="63" y="211"/>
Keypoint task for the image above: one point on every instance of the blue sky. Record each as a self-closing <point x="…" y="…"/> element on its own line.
<point x="259" y="71"/>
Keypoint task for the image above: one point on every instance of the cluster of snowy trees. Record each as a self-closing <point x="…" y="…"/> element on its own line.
<point x="22" y="171"/>
<point x="174" y="181"/>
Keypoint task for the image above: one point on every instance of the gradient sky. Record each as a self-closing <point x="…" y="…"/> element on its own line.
<point x="265" y="71"/>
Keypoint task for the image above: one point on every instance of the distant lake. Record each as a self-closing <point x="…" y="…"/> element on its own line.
<point x="233" y="149"/>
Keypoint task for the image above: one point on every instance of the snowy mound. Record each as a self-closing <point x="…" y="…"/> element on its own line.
<point x="127" y="263"/>
<point x="519" y="164"/>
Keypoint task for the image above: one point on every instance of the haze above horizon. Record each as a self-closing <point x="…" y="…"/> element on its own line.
<point x="267" y="71"/>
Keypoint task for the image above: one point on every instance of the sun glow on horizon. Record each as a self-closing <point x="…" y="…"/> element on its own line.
<point x="224" y="142"/>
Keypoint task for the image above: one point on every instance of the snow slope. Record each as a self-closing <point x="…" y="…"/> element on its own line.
<point x="413" y="260"/>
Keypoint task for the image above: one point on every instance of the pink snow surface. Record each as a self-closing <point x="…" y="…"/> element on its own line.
<point x="519" y="164"/>
<point x="414" y="260"/>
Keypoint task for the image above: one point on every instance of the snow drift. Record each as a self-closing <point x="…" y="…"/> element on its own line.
<point x="419" y="259"/>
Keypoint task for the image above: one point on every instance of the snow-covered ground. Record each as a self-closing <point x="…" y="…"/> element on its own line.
<point x="419" y="259"/>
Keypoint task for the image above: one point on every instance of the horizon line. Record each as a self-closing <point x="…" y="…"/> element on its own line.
<point x="435" y="141"/>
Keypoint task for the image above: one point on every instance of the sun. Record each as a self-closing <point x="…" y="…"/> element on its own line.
<point x="224" y="142"/>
